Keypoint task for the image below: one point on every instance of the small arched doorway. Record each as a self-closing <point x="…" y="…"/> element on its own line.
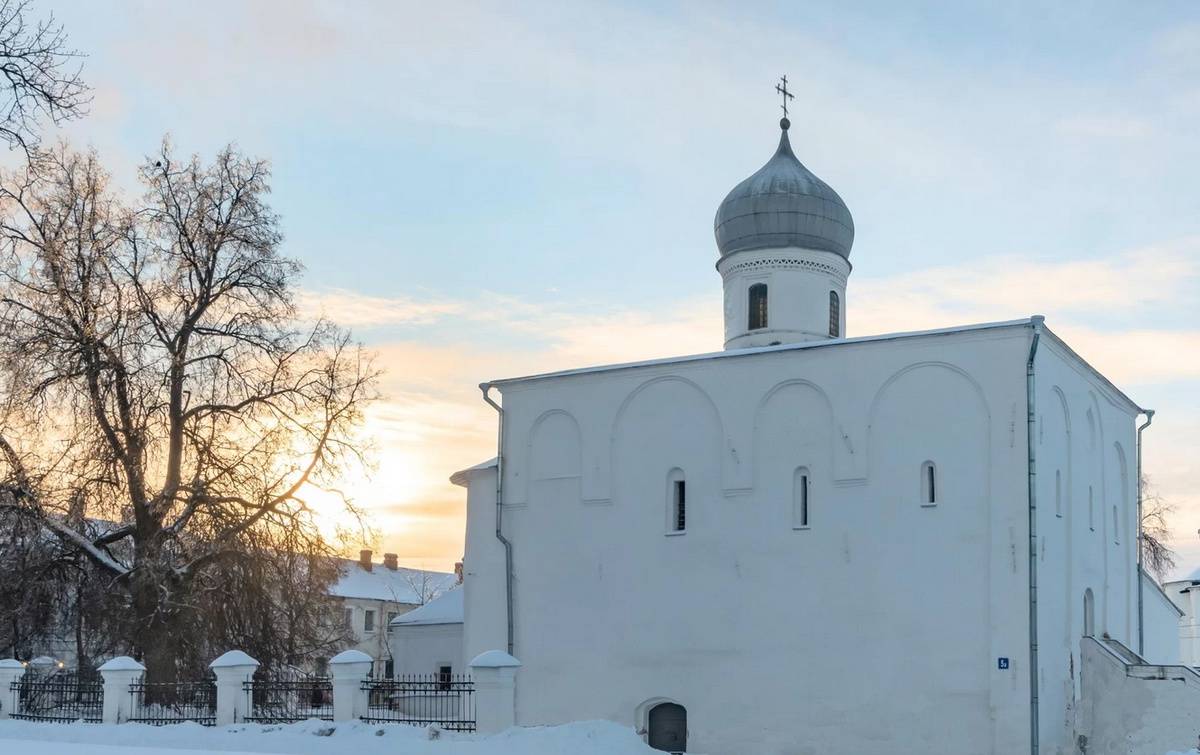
<point x="1089" y="614"/>
<point x="667" y="729"/>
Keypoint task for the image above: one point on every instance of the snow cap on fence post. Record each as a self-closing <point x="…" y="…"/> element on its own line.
<point x="348" y="669"/>
<point x="10" y="671"/>
<point x="494" y="674"/>
<point x="118" y="673"/>
<point x="233" y="670"/>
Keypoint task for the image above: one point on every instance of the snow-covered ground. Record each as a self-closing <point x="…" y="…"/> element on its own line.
<point x="312" y="738"/>
<point x="319" y="738"/>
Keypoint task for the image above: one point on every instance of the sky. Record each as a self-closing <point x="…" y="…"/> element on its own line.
<point x="481" y="190"/>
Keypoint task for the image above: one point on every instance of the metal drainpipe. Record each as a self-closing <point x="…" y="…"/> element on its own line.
<point x="1031" y="435"/>
<point x="508" y="567"/>
<point x="1140" y="493"/>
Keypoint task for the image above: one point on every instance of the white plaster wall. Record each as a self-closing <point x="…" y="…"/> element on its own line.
<point x="880" y="625"/>
<point x="374" y="643"/>
<point x="1128" y="715"/>
<point x="424" y="649"/>
<point x="1162" y="619"/>
<point x="485" y="618"/>
<point x="1187" y="629"/>
<point x="798" y="285"/>
<point x="1085" y="436"/>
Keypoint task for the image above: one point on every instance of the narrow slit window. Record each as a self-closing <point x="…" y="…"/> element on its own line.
<point x="835" y="315"/>
<point x="1091" y="510"/>
<point x="1116" y="528"/>
<point x="758" y="306"/>
<point x="677" y="502"/>
<point x="929" y="486"/>
<point x="800" y="498"/>
<point x="1058" y="492"/>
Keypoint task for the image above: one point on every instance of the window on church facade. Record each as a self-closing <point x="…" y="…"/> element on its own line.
<point x="1091" y="510"/>
<point x="800" y="498"/>
<point x="1058" y="492"/>
<point x="758" y="306"/>
<point x="929" y="487"/>
<point x="677" y="505"/>
<point x="835" y="315"/>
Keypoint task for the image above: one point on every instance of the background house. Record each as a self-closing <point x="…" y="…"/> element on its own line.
<point x="1185" y="596"/>
<point x="373" y="594"/>
<point x="429" y="639"/>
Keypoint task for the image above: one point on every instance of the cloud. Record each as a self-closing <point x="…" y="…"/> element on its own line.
<point x="1006" y="287"/>
<point x="355" y="310"/>
<point x="1104" y="127"/>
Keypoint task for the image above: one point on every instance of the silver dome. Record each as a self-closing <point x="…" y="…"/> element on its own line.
<point x="784" y="204"/>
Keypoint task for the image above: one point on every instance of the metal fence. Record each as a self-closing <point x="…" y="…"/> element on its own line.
<point x="447" y="700"/>
<point x="62" y="696"/>
<point x="159" y="703"/>
<point x="287" y="696"/>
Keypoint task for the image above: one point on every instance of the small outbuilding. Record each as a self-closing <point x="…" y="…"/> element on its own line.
<point x="429" y="639"/>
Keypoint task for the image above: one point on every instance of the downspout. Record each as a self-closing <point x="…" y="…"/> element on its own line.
<point x="1141" y="618"/>
<point x="508" y="562"/>
<point x="1031" y="435"/>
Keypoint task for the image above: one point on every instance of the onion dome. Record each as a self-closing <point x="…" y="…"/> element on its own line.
<point x="784" y="205"/>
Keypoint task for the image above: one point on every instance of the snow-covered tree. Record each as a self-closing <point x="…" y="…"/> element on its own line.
<point x="154" y="375"/>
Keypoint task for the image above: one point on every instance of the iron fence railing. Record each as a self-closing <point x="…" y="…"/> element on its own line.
<point x="159" y="703"/>
<point x="447" y="700"/>
<point x="62" y="696"/>
<point x="286" y="696"/>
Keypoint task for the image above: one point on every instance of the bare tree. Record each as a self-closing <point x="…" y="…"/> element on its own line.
<point x="153" y="374"/>
<point x="424" y="585"/>
<point x="41" y="75"/>
<point x="1157" y="556"/>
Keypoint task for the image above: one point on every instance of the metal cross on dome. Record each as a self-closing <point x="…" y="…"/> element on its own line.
<point x="783" y="90"/>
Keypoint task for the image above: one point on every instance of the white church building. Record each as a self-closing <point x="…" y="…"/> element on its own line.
<point x="920" y="542"/>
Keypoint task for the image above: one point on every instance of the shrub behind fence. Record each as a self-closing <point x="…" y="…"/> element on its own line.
<point x="287" y="696"/>
<point x="61" y="696"/>
<point x="159" y="703"/>
<point x="447" y="700"/>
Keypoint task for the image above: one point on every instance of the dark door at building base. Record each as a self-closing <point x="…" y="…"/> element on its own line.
<point x="668" y="727"/>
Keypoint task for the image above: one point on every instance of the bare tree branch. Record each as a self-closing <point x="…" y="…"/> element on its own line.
<point x="1157" y="556"/>
<point x="39" y="76"/>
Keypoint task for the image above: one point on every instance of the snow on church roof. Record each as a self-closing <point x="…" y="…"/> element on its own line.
<point x="447" y="608"/>
<point x="401" y="585"/>
<point x="832" y="342"/>
<point x="734" y="353"/>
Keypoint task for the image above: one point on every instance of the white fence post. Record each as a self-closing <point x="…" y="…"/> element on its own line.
<point x="10" y="671"/>
<point x="233" y="670"/>
<point x="118" y="673"/>
<point x="494" y="673"/>
<point x="348" y="669"/>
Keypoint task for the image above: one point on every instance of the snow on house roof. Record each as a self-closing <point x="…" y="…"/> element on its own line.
<point x="447" y="608"/>
<point x="462" y="476"/>
<point x="401" y="585"/>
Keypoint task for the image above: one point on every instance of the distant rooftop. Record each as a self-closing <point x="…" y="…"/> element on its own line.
<point x="399" y="585"/>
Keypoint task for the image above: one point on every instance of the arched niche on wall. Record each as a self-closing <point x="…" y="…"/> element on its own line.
<point x="554" y="459"/>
